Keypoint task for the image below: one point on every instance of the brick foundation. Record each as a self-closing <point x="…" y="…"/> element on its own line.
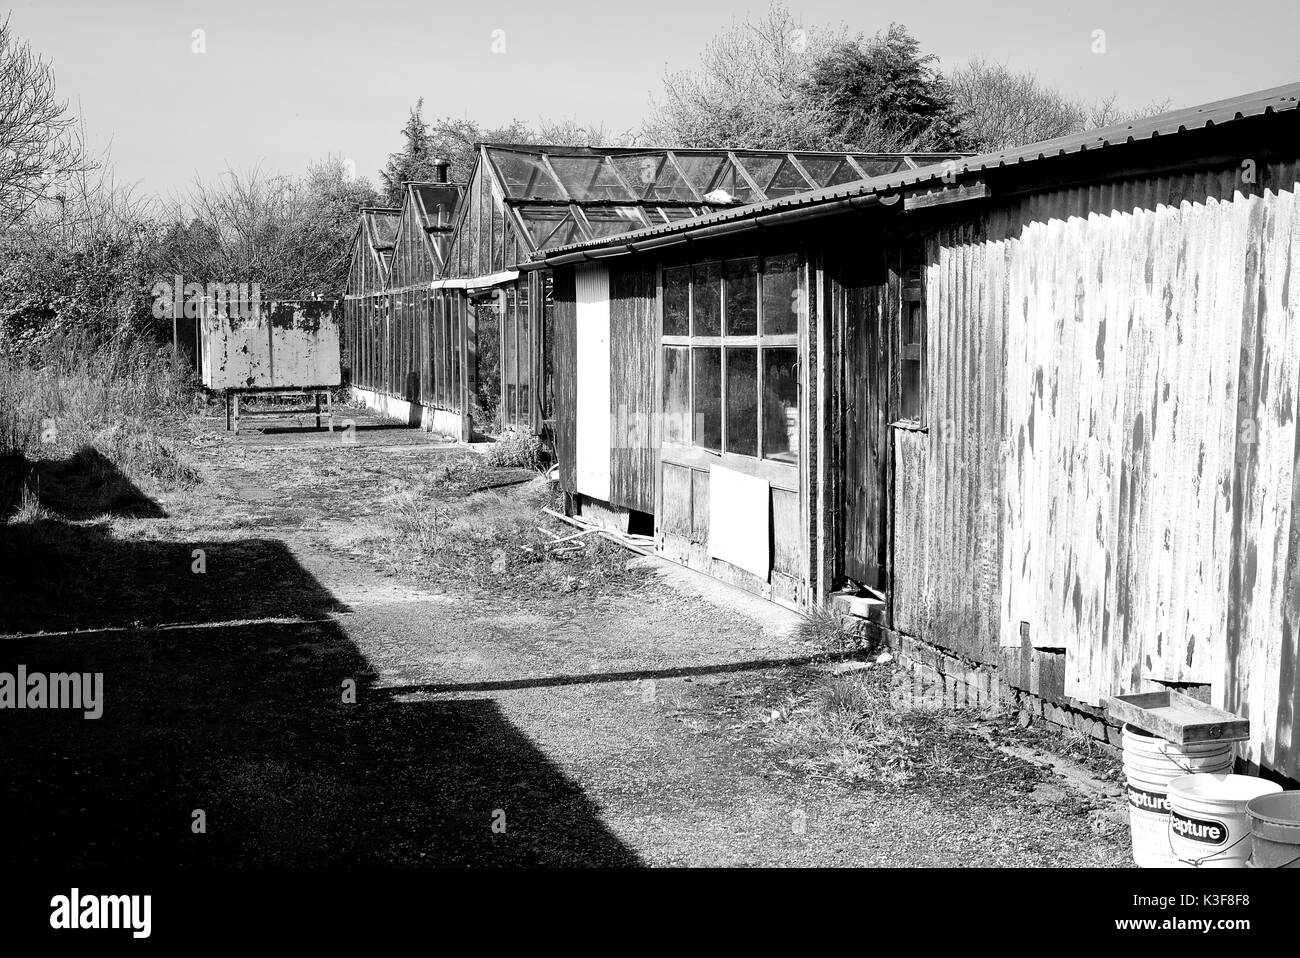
<point x="940" y="678"/>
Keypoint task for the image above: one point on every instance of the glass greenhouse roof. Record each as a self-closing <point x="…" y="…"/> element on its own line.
<point x="572" y="194"/>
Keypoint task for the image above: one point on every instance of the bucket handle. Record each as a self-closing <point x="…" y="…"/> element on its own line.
<point x="1164" y="750"/>
<point x="1251" y="856"/>
<point x="1198" y="862"/>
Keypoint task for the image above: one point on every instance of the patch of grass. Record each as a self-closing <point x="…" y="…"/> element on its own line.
<point x="493" y="539"/>
<point x="76" y="396"/>
<point x="30" y="511"/>
<point x="824" y="628"/>
<point x="852" y="729"/>
<point x="516" y="447"/>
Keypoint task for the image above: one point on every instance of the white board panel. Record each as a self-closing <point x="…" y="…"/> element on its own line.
<point x="282" y="347"/>
<point x="593" y="426"/>
<point x="739" y="525"/>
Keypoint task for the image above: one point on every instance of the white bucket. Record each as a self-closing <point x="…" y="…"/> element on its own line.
<point x="1150" y="764"/>
<point x="1208" y="826"/>
<point x="1275" y="830"/>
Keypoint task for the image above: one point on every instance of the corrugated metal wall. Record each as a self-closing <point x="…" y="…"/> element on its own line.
<point x="1112" y="447"/>
<point x="947" y="543"/>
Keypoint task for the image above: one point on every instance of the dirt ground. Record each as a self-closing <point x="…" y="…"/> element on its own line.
<point x="626" y="713"/>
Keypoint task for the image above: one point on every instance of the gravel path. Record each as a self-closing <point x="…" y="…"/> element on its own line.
<point x="487" y="728"/>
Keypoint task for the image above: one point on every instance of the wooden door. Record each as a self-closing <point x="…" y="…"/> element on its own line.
<point x="859" y="291"/>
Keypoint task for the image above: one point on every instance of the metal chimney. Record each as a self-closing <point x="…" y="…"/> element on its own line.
<point x="440" y="166"/>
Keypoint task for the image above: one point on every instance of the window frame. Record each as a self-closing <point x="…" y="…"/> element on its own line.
<point x="760" y="341"/>
<point x="912" y="253"/>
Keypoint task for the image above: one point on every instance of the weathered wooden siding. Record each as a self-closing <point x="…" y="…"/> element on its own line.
<point x="859" y="294"/>
<point x="564" y="358"/>
<point x="634" y="349"/>
<point x="1146" y="474"/>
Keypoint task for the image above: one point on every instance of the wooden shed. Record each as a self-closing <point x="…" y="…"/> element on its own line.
<point x="1042" y="404"/>
<point x="523" y="200"/>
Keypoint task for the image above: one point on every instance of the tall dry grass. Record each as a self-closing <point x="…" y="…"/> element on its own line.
<point x="118" y="396"/>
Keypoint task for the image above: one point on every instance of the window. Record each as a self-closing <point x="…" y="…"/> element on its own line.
<point x="911" y="339"/>
<point x="741" y="291"/>
<point x="706" y="299"/>
<point x="742" y="400"/>
<point x="731" y="356"/>
<point x="781" y="404"/>
<point x="782" y="296"/>
<point x="677" y="301"/>
<point x="708" y="397"/>
<point x="677" y="394"/>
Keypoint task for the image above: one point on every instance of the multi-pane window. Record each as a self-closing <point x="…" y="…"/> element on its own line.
<point x="731" y="356"/>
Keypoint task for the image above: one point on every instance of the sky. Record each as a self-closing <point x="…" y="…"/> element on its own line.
<point x="283" y="83"/>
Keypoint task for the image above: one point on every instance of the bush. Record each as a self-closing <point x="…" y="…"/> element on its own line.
<point x="516" y="447"/>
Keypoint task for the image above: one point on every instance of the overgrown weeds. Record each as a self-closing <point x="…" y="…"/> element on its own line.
<point x="76" y="398"/>
<point x="851" y="729"/>
<point x="499" y="539"/>
<point x="518" y="448"/>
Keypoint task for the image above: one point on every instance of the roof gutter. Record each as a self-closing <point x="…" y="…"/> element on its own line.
<point x="791" y="217"/>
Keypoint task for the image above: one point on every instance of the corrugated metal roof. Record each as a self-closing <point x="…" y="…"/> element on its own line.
<point x="1276" y="100"/>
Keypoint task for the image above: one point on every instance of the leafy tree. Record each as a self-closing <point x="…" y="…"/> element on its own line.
<point x="456" y="140"/>
<point x="1004" y="108"/>
<point x="289" y="235"/>
<point x="885" y="95"/>
<point x="414" y="161"/>
<point x="83" y="262"/>
<point x="749" y="90"/>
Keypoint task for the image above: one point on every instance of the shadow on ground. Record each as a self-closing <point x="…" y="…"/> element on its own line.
<point x="83" y="485"/>
<point x="247" y="722"/>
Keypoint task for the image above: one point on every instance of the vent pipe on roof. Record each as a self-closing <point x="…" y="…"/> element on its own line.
<point x="440" y="166"/>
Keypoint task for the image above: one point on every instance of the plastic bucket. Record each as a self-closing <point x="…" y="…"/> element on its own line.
<point x="1150" y="764"/>
<point x="1208" y="826"/>
<point x="1275" y="830"/>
